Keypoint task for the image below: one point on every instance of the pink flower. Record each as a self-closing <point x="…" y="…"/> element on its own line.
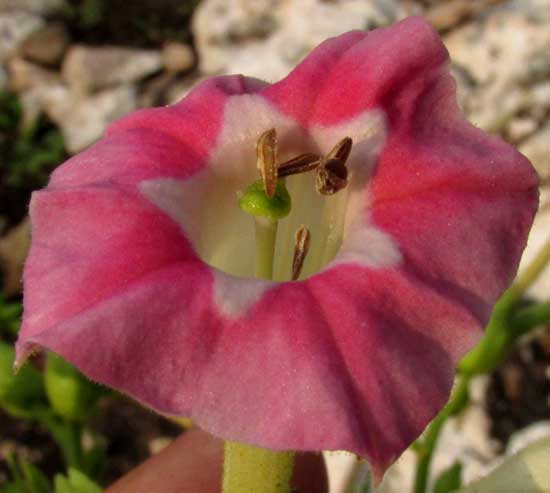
<point x="140" y="271"/>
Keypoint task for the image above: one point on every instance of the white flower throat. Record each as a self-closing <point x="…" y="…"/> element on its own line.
<point x="206" y="205"/>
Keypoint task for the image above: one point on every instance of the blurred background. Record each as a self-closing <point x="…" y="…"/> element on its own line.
<point x="69" y="67"/>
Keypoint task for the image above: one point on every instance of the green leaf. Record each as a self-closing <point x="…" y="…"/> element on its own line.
<point x="20" y="393"/>
<point x="449" y="480"/>
<point x="95" y="459"/>
<point x="10" y="111"/>
<point x="75" y="482"/>
<point x="530" y="317"/>
<point x="10" y="314"/>
<point x="82" y="483"/>
<point x="71" y="395"/>
<point x="27" y="478"/>
<point x="62" y="484"/>
<point x="35" y="479"/>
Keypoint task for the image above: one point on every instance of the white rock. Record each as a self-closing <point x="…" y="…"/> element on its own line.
<point x="25" y="75"/>
<point x="83" y="120"/>
<point x="266" y="38"/>
<point x="504" y="53"/>
<point x="177" y="57"/>
<point x="521" y="127"/>
<point x="88" y="68"/>
<point x="35" y="6"/>
<point x="526" y="436"/>
<point x="15" y="26"/>
<point x="540" y="97"/>
<point x="46" y="45"/>
<point x="537" y="149"/>
<point x="400" y="476"/>
<point x="503" y="44"/>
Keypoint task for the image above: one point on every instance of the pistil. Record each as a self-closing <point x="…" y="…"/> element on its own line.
<point x="268" y="201"/>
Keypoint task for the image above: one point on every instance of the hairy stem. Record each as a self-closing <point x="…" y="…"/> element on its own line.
<point x="251" y="469"/>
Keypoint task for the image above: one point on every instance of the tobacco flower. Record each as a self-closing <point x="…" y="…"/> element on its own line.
<point x="141" y="270"/>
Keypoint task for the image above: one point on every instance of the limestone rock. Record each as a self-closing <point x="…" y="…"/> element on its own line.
<point x="266" y="38"/>
<point x="34" y="6"/>
<point x="87" y="68"/>
<point x="504" y="53"/>
<point x="447" y="14"/>
<point x="46" y="45"/>
<point x="519" y="128"/>
<point x="25" y="75"/>
<point x="82" y="120"/>
<point x="15" y="27"/>
<point x="537" y="149"/>
<point x="177" y="57"/>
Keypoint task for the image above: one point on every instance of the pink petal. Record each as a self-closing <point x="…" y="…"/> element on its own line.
<point x="358" y="71"/>
<point x="356" y="357"/>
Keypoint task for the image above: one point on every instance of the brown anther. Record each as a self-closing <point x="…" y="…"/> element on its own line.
<point x="266" y="150"/>
<point x="332" y="174"/>
<point x="299" y="164"/>
<point x="341" y="150"/>
<point x="301" y="247"/>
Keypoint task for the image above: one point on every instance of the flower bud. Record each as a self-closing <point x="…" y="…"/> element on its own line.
<point x="71" y="395"/>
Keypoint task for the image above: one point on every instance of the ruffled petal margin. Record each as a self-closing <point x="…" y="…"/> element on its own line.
<point x="352" y="358"/>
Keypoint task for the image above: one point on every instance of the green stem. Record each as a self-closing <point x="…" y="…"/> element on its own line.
<point x="530" y="317"/>
<point x="425" y="449"/>
<point x="68" y="436"/>
<point x="251" y="469"/>
<point x="266" y="234"/>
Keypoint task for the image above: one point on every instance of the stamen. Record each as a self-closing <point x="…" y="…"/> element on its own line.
<point x="332" y="174"/>
<point x="341" y="150"/>
<point x="299" y="164"/>
<point x="266" y="150"/>
<point x="301" y="247"/>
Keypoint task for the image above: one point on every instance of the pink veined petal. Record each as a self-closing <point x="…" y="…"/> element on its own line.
<point x="358" y="71"/>
<point x="93" y="231"/>
<point x="173" y="141"/>
<point x="353" y="358"/>
<point x="90" y="244"/>
<point x="459" y="202"/>
<point x="196" y="120"/>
